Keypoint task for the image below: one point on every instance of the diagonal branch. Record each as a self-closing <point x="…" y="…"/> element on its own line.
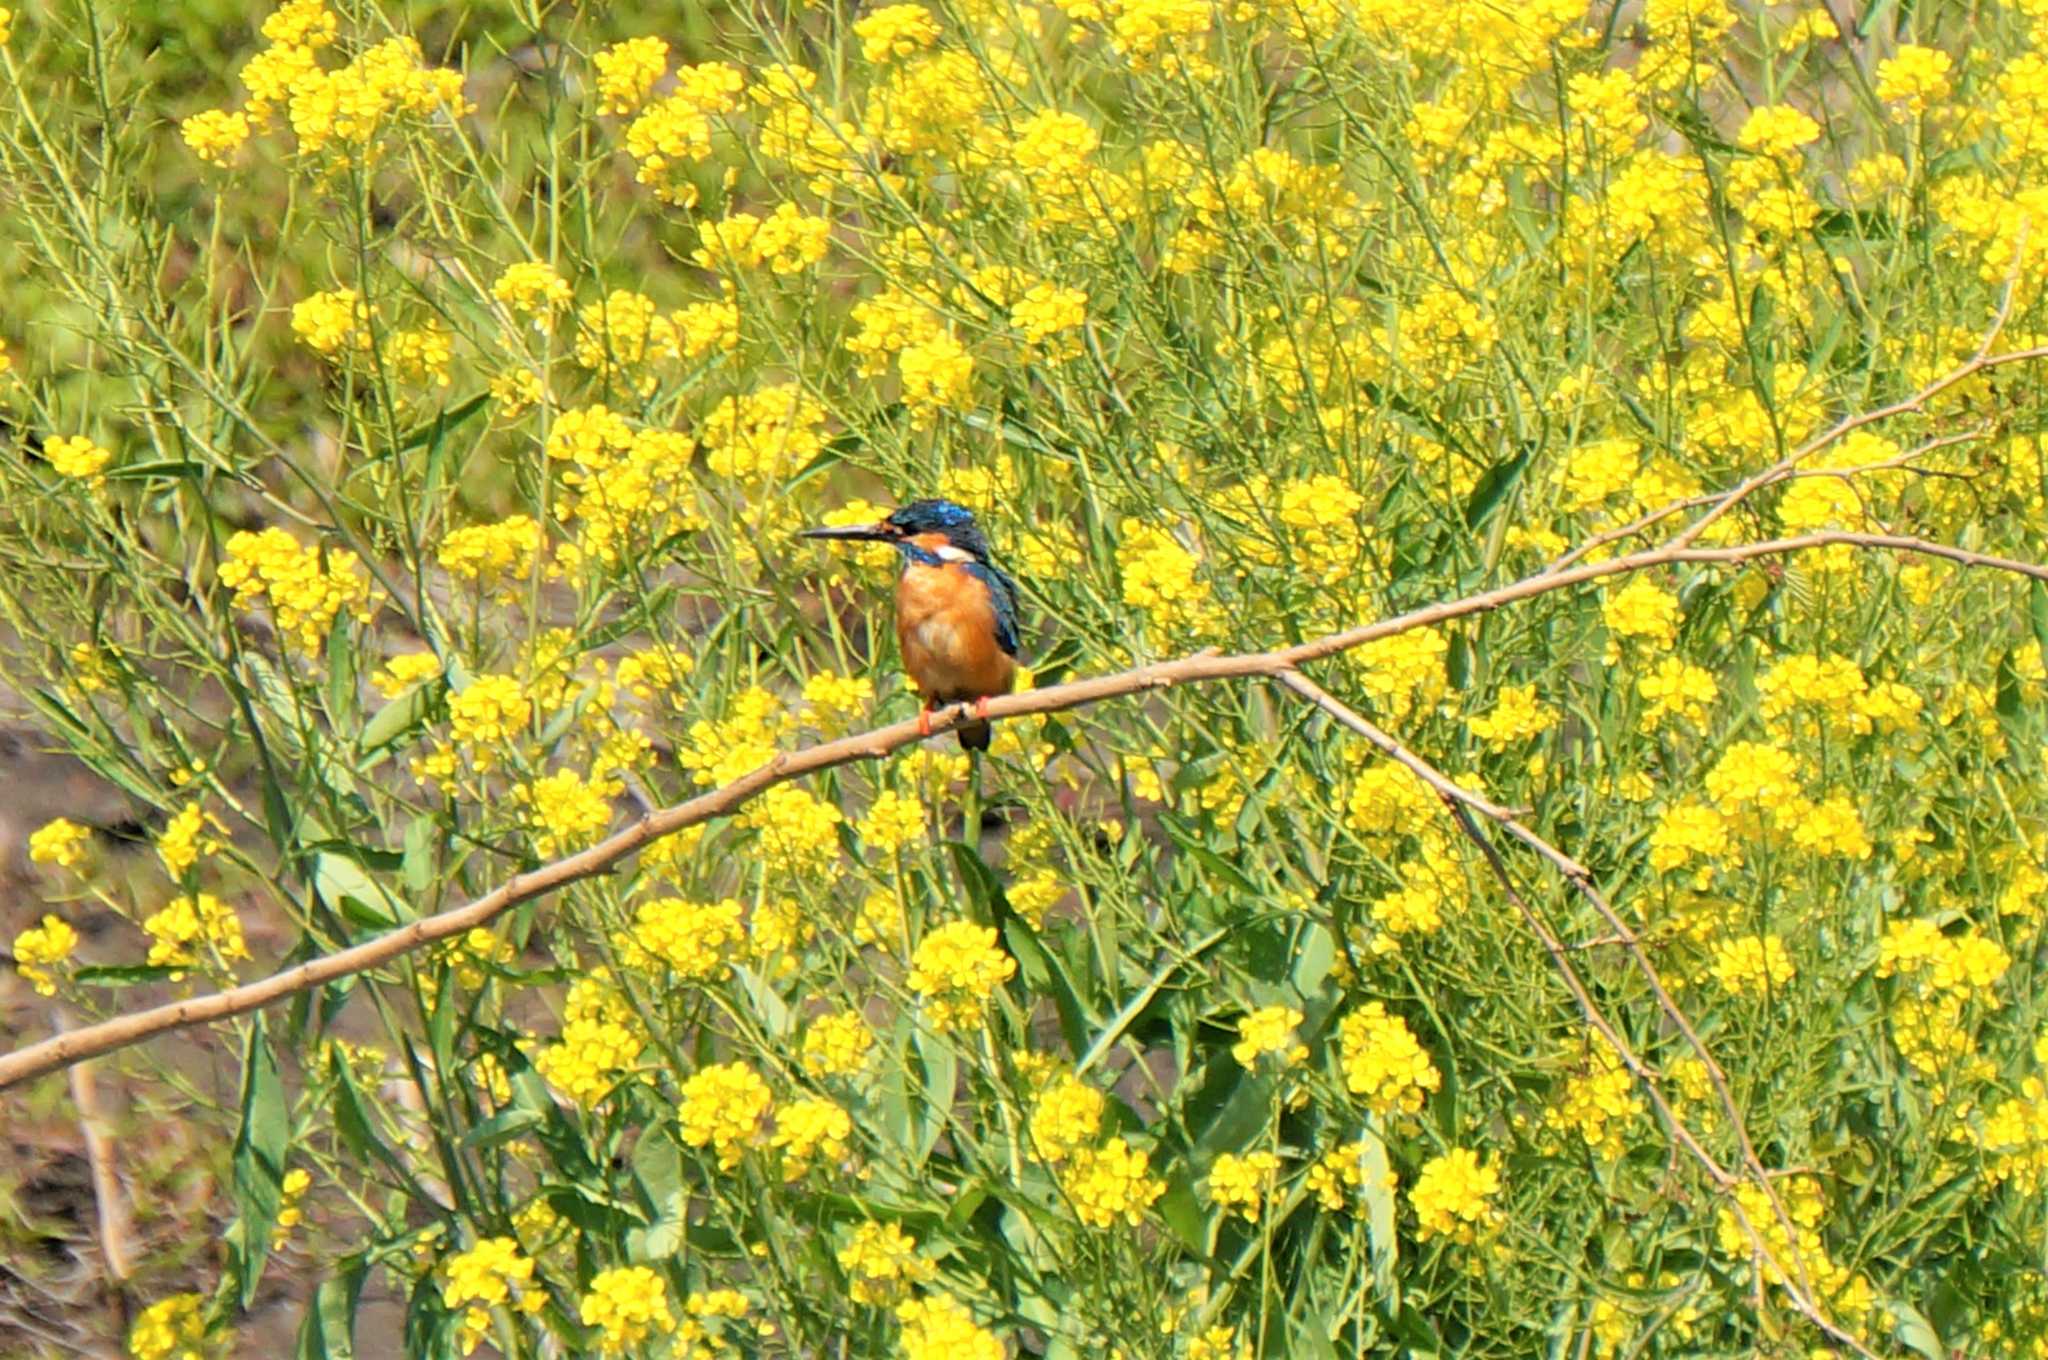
<point x="1462" y="803"/>
<point x="62" y="1050"/>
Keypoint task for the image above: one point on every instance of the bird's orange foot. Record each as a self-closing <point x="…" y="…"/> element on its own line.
<point x="924" y="722"/>
<point x="981" y="707"/>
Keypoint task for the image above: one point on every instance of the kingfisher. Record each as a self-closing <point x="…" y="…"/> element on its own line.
<point x="956" y="610"/>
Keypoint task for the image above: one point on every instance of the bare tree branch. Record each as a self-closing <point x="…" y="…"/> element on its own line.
<point x="62" y="1050"/>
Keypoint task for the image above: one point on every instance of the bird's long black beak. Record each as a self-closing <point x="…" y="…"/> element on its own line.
<point x="868" y="533"/>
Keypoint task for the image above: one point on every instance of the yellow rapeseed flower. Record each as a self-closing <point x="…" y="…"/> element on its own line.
<point x="626" y="71"/>
<point x="1453" y="1196"/>
<point x="61" y="842"/>
<point x="630" y="1305"/>
<point x="956" y="968"/>
<point x="723" y="1107"/>
<point x="40" y="947"/>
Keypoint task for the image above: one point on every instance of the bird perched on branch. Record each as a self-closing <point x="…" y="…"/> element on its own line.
<point x="956" y="610"/>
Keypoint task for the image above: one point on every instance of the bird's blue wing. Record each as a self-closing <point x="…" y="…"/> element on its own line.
<point x="1002" y="597"/>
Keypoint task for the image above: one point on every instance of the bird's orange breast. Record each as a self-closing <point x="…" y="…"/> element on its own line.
<point x="946" y="626"/>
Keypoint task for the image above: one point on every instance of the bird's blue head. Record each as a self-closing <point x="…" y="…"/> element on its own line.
<point x="923" y="528"/>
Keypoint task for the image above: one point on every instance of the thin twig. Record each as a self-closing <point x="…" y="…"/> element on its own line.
<point x="1461" y="803"/>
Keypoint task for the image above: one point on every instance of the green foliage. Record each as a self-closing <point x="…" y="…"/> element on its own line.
<point x="405" y="450"/>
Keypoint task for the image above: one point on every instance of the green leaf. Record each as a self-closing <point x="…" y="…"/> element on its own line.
<point x="259" y="1155"/>
<point x="2037" y="614"/>
<point x="328" y="1330"/>
<point x="180" y="468"/>
<point x="1242" y="1115"/>
<point x="398" y="718"/>
<point x="1132" y="1009"/>
<point x="340" y="881"/>
<point x="941" y="1071"/>
<point x="502" y="1128"/>
<point x="359" y="1134"/>
<point x="1315" y="954"/>
<point x="1182" y="1213"/>
<point x="1914" y="1331"/>
<point x="416" y="866"/>
<point x="1493" y="487"/>
<point x="658" y="1167"/>
<point x="768" y="1006"/>
<point x="1044" y="975"/>
<point x="102" y="975"/>
<point x="983" y="888"/>
<point x="1377" y="1189"/>
<point x="442" y="425"/>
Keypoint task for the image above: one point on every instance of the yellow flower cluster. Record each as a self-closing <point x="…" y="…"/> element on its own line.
<point x="567" y="811"/>
<point x="1598" y="1103"/>
<point x="492" y="1274"/>
<point x="1752" y="965"/>
<point x="39" y="948"/>
<point x="1242" y="1184"/>
<point x="493" y="555"/>
<point x="290" y="1205"/>
<point x="1049" y="316"/>
<point x="894" y="31"/>
<point x="629" y="1304"/>
<point x="939" y="1327"/>
<point x="723" y="1107"/>
<point x="61" y="842"/>
<point x="787" y="241"/>
<point x="530" y="288"/>
<point x="1676" y="688"/>
<point x="1067" y="1115"/>
<point x="489" y="712"/>
<point x="1643" y="612"/>
<point x="78" y="458"/>
<point x="810" y="1130"/>
<point x="189" y="925"/>
<point x="761" y="438"/>
<point x="799" y="832"/>
<point x="747" y="738"/>
<point x="1336" y="1177"/>
<point x="1270" y="1029"/>
<point x="956" y="969"/>
<point x="406" y="670"/>
<point x="172" y="1328"/>
<point x="341" y="112"/>
<point x="1110" y="1184"/>
<point x="1159" y="577"/>
<point x="938" y="375"/>
<point x="628" y="487"/>
<point x="695" y="941"/>
<point x="674" y="133"/>
<point x="1383" y="1062"/>
<point x="1403" y="672"/>
<point x="185" y="839"/>
<point x="627" y="71"/>
<point x="1388" y="799"/>
<point x="881" y="1263"/>
<point x="1453" y="1197"/>
<point x="306" y="588"/>
<point x="1516" y="716"/>
<point x="836" y="1045"/>
<point x="833" y="699"/>
<point x="1797" y="1259"/>
<point x="600" y="1043"/>
<point x="893" y="821"/>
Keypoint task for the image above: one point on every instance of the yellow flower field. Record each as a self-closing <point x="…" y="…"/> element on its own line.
<point x="1565" y="872"/>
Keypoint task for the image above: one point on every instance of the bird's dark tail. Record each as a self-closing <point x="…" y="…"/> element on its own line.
<point x="974" y="736"/>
